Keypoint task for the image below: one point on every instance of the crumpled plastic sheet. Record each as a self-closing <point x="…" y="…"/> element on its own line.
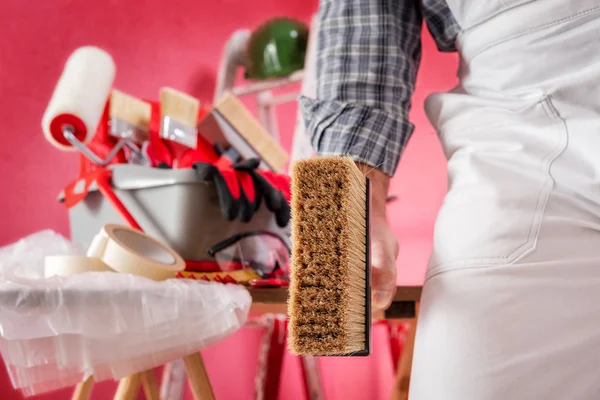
<point x="25" y="258"/>
<point x="56" y="332"/>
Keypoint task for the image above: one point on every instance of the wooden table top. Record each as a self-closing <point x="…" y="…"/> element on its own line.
<point x="275" y="301"/>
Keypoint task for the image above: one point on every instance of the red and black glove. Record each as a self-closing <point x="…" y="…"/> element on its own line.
<point x="241" y="188"/>
<point x="235" y="189"/>
<point x="274" y="188"/>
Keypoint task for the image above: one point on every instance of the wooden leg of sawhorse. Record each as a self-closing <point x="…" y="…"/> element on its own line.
<point x="130" y="386"/>
<point x="401" y="386"/>
<point x="198" y="378"/>
<point x="82" y="390"/>
<point x="150" y="386"/>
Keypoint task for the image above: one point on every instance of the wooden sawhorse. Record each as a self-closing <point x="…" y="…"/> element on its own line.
<point x="404" y="308"/>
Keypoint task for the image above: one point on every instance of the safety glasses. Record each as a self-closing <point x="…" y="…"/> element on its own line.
<point x="265" y="252"/>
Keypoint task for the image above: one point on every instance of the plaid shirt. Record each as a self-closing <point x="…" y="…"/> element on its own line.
<point x="368" y="56"/>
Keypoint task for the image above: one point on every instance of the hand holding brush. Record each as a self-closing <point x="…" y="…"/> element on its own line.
<point x="343" y="257"/>
<point x="384" y="244"/>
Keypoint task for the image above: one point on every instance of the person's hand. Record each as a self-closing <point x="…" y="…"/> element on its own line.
<point x="384" y="252"/>
<point x="384" y="245"/>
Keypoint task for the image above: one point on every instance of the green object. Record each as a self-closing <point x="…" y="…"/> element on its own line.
<point x="277" y="49"/>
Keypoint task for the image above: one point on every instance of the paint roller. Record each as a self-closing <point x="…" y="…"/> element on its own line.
<point x="78" y="103"/>
<point x="79" y="98"/>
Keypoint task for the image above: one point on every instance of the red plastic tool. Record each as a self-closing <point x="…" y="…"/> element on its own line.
<point x="397" y="336"/>
<point x="103" y="183"/>
<point x="269" y="283"/>
<point x="271" y="354"/>
<point x="213" y="266"/>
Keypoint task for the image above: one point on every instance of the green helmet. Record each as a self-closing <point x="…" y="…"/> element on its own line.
<point x="277" y="49"/>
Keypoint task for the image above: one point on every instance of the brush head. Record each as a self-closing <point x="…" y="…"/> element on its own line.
<point x="179" y="106"/>
<point x="131" y="113"/>
<point x="329" y="303"/>
<point x="179" y="117"/>
<point x="130" y="109"/>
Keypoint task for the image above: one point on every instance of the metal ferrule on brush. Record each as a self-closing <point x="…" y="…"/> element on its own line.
<point x="368" y="294"/>
<point x="178" y="132"/>
<point x="128" y="131"/>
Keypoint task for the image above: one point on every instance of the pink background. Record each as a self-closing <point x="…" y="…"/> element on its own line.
<point x="178" y="43"/>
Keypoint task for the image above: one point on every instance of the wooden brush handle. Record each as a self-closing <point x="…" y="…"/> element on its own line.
<point x="198" y="378"/>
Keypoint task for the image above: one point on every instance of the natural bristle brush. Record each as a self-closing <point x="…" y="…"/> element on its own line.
<point x="329" y="305"/>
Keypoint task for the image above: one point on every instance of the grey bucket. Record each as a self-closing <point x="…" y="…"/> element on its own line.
<point x="173" y="206"/>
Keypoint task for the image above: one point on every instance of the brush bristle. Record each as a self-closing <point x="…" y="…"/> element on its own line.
<point x="130" y="109"/>
<point x="179" y="106"/>
<point x="328" y="295"/>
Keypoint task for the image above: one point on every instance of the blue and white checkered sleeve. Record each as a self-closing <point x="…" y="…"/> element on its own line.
<point x="368" y="56"/>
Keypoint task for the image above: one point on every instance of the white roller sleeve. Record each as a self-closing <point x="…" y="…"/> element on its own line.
<point x="80" y="96"/>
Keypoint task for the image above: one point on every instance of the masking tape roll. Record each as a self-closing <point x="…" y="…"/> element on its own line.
<point x="70" y="265"/>
<point x="130" y="251"/>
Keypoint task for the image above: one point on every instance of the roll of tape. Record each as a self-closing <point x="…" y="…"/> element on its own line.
<point x="79" y="97"/>
<point x="130" y="251"/>
<point x="70" y="265"/>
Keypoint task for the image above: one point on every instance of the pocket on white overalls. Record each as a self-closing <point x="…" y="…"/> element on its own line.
<point x="499" y="156"/>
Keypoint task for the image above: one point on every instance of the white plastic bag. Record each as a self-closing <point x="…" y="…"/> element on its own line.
<point x="56" y="332"/>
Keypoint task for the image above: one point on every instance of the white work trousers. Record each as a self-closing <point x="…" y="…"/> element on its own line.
<point x="511" y="300"/>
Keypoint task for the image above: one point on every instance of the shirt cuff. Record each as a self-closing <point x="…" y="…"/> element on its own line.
<point x="368" y="135"/>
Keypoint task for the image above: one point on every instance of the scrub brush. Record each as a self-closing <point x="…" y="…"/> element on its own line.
<point x="329" y="302"/>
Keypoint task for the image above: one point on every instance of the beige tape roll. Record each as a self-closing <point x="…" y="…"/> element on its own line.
<point x="69" y="265"/>
<point x="130" y="251"/>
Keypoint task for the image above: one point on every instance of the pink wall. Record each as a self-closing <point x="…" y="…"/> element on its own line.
<point x="178" y="43"/>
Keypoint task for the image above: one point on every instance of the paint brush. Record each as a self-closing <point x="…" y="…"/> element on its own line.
<point x="179" y="117"/>
<point x="329" y="304"/>
<point x="129" y="117"/>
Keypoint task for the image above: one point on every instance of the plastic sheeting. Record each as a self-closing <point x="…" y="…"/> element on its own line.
<point x="56" y="332"/>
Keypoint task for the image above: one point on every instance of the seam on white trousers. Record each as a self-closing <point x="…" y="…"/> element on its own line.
<point x="535" y="29"/>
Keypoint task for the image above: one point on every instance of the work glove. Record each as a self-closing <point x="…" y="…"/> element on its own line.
<point x="271" y="188"/>
<point x="241" y="188"/>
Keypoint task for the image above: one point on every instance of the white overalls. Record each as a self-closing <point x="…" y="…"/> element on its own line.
<point x="511" y="301"/>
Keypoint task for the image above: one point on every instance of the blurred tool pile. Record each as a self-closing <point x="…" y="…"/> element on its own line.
<point x="166" y="188"/>
<point x="205" y="180"/>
